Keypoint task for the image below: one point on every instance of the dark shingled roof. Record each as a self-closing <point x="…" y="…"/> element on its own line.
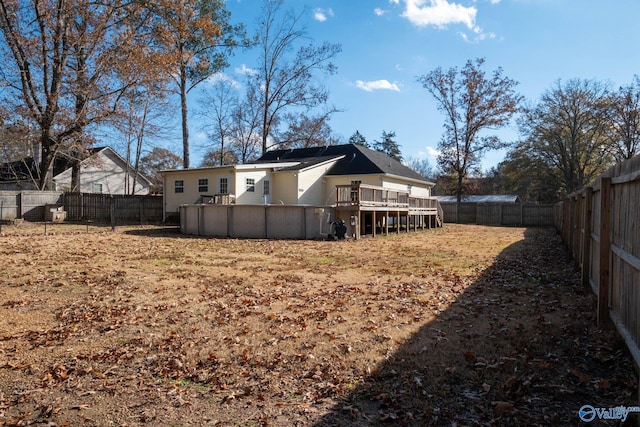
<point x="358" y="160"/>
<point x="27" y="169"/>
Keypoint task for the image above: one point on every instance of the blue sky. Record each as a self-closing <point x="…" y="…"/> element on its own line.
<point x="387" y="44"/>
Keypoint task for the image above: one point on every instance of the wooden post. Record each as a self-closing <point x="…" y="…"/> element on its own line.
<point x="112" y="212"/>
<point x="577" y="252"/>
<point x="386" y="223"/>
<point x="141" y="209"/>
<point x="521" y="214"/>
<point x="586" y="244"/>
<point x="605" y="250"/>
<point x="373" y="223"/>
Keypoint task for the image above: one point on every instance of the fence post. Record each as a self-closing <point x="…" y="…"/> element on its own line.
<point x="521" y="214"/>
<point x="112" y="209"/>
<point x="586" y="244"/>
<point x="605" y="250"/>
<point x="141" y="210"/>
<point x="577" y="252"/>
<point x="19" y="207"/>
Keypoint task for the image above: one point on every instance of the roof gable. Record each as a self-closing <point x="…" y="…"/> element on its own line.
<point x="27" y="169"/>
<point x="357" y="160"/>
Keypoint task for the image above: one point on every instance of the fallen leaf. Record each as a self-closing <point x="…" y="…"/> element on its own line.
<point x="501" y="407"/>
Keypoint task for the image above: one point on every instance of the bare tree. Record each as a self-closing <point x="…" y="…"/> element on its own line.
<point x="305" y="131"/>
<point x="568" y="130"/>
<point x="471" y="102"/>
<point x="247" y="137"/>
<point x="156" y="160"/>
<point x="59" y="66"/>
<point x="625" y="118"/>
<point x="287" y="69"/>
<point x="143" y="119"/>
<point x="422" y="166"/>
<point x="218" y="103"/>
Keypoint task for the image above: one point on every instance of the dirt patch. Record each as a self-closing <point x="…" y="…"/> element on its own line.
<point x="143" y="326"/>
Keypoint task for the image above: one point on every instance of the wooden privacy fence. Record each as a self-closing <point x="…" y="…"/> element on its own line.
<point x="31" y="206"/>
<point x="600" y="226"/>
<point x="508" y="214"/>
<point x="28" y="205"/>
<point x="110" y="208"/>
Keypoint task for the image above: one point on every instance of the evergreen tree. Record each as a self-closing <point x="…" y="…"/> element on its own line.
<point x="358" y="139"/>
<point x="388" y="146"/>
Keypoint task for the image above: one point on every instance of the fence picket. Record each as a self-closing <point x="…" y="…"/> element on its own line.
<point x="609" y="247"/>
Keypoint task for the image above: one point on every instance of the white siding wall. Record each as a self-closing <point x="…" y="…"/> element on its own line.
<point x="284" y="188"/>
<point x="190" y="179"/>
<point x="415" y="189"/>
<point x="244" y="197"/>
<point x="101" y="170"/>
<point x="312" y="186"/>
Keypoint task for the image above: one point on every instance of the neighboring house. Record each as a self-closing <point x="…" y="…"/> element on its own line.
<point x="351" y="178"/>
<point x="103" y="171"/>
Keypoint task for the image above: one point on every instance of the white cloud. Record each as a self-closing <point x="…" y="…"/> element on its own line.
<point x="495" y="1"/>
<point x="378" y="11"/>
<point x="432" y="152"/>
<point x="321" y="14"/>
<point x="439" y="13"/>
<point x="220" y="77"/>
<point x="376" y="85"/>
<point x="479" y="36"/>
<point x="243" y="69"/>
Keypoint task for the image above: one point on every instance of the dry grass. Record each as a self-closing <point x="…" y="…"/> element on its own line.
<point x="144" y="326"/>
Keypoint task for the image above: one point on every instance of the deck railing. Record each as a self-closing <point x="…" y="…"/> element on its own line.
<point x="370" y="196"/>
<point x="218" y="199"/>
<point x="363" y="195"/>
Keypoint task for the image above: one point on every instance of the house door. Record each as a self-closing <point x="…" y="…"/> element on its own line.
<point x="266" y="191"/>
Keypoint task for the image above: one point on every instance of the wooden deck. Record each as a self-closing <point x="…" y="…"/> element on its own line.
<point x="384" y="210"/>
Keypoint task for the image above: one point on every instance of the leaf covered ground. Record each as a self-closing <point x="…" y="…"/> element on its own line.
<point x="465" y="326"/>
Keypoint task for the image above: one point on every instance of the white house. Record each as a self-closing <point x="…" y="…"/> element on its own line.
<point x="104" y="171"/>
<point x="352" y="179"/>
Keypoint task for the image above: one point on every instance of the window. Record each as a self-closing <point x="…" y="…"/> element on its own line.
<point x="224" y="186"/>
<point x="354" y="190"/>
<point x="178" y="186"/>
<point x="97" y="188"/>
<point x="266" y="187"/>
<point x="251" y="185"/>
<point x="203" y="185"/>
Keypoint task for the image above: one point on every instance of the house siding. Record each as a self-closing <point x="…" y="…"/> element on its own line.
<point x="191" y="193"/>
<point x="104" y="169"/>
<point x="312" y="186"/>
<point x="415" y="188"/>
<point x="284" y="188"/>
<point x="244" y="197"/>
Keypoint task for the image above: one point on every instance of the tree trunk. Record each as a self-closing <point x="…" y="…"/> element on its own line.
<point x="185" y="123"/>
<point x="459" y="189"/>
<point x="46" y="162"/>
<point x="75" y="176"/>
